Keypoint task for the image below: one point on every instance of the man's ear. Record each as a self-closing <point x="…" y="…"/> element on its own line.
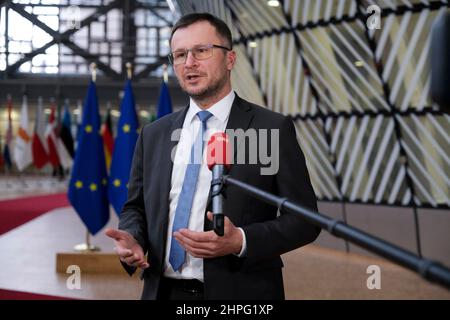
<point x="231" y="59"/>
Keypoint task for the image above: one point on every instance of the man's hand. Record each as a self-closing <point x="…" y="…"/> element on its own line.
<point x="128" y="249"/>
<point x="209" y="244"/>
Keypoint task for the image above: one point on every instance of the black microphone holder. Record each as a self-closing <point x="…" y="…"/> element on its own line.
<point x="428" y="269"/>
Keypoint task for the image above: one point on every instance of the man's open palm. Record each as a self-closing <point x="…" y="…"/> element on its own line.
<point x="128" y="249"/>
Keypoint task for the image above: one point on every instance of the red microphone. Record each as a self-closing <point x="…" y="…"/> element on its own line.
<point x="218" y="155"/>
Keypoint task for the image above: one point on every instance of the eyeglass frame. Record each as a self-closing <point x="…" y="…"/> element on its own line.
<point x="186" y="51"/>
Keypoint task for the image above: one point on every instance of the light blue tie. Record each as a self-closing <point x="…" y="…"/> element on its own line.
<point x="177" y="252"/>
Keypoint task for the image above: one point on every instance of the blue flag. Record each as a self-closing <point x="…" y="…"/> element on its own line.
<point x="164" y="103"/>
<point x="127" y="134"/>
<point x="88" y="184"/>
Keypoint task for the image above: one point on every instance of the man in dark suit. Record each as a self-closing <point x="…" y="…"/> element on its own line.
<point x="167" y="214"/>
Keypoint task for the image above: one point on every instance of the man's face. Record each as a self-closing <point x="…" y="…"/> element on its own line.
<point x="203" y="79"/>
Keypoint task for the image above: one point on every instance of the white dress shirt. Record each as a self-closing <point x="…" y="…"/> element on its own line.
<point x="193" y="267"/>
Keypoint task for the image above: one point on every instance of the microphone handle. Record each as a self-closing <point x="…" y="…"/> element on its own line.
<point x="217" y="202"/>
<point x="218" y="221"/>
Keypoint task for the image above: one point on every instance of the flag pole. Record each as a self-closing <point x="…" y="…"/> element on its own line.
<point x="87" y="246"/>
<point x="8" y="169"/>
<point x="20" y="173"/>
<point x="165" y="73"/>
<point x="36" y="170"/>
<point x="129" y="70"/>
<point x="54" y="170"/>
<point x="94" y="71"/>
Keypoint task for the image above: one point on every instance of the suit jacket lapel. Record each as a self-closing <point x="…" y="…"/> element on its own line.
<point x="240" y="118"/>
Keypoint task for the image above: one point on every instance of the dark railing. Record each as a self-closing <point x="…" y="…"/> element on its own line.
<point x="428" y="269"/>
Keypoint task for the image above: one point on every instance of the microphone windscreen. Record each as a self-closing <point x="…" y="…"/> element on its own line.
<point x="218" y="150"/>
<point x="440" y="62"/>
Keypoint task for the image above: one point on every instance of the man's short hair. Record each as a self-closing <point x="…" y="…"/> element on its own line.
<point x="220" y="26"/>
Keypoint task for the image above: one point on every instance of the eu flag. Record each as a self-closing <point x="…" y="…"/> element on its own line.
<point x="88" y="184"/>
<point x="164" y="103"/>
<point x="127" y="134"/>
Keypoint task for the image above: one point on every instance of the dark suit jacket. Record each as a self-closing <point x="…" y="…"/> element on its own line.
<point x="258" y="274"/>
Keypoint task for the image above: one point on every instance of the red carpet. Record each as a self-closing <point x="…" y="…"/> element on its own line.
<point x="15" y="212"/>
<point x="19" y="295"/>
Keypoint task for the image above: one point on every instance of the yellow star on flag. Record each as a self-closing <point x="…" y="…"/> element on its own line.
<point x="116" y="183"/>
<point x="104" y="182"/>
<point x="88" y="128"/>
<point x="93" y="187"/>
<point x="126" y="128"/>
<point x="78" y="184"/>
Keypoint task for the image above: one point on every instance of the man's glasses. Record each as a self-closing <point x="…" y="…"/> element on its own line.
<point x="201" y="52"/>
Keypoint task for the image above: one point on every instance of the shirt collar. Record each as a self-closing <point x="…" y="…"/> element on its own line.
<point x="221" y="109"/>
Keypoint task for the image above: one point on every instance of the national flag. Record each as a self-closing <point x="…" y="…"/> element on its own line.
<point x="79" y="120"/>
<point x="64" y="140"/>
<point x="164" y="103"/>
<point x="2" y="161"/>
<point x="127" y="134"/>
<point x="22" y="148"/>
<point x="66" y="131"/>
<point x="8" y="140"/>
<point x="39" y="144"/>
<point x="50" y="136"/>
<point x="108" y="140"/>
<point x="88" y="183"/>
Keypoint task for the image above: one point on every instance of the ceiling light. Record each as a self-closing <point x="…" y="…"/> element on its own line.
<point x="144" y="114"/>
<point x="273" y="3"/>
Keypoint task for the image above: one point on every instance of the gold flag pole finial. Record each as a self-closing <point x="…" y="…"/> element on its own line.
<point x="129" y="70"/>
<point x="94" y="71"/>
<point x="165" y="73"/>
